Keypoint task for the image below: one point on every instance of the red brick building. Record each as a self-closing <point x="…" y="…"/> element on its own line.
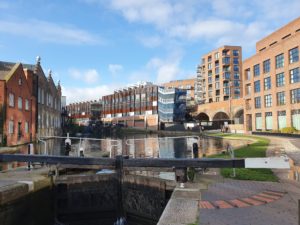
<point x="17" y="105"/>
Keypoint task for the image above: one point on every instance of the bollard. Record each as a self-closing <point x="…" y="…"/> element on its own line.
<point x="195" y="150"/>
<point x="30" y="152"/>
<point x="67" y="148"/>
<point x="181" y="176"/>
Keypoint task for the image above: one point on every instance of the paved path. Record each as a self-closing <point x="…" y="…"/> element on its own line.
<point x="233" y="202"/>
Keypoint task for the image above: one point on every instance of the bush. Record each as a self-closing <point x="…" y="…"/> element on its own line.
<point x="288" y="130"/>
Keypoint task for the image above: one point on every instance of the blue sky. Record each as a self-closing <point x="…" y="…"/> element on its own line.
<point x="96" y="46"/>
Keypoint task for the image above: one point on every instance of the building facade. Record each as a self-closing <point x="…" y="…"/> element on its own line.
<point x="48" y="95"/>
<point x="171" y="104"/>
<point x="189" y="86"/>
<point x="219" y="93"/>
<point x="17" y="104"/>
<point x="272" y="81"/>
<point x="83" y="112"/>
<point x="134" y="106"/>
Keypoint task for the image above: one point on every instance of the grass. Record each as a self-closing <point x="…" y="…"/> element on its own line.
<point x="256" y="149"/>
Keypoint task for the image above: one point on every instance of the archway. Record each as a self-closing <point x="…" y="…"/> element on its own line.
<point x="220" y="116"/>
<point x="239" y="117"/>
<point x="202" y="117"/>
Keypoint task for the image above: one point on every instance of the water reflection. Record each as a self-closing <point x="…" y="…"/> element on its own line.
<point x="135" y="146"/>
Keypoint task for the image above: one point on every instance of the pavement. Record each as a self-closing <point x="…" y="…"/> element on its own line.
<point x="235" y="202"/>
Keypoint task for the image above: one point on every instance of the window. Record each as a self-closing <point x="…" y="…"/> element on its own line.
<point x="26" y="128"/>
<point x="256" y="70"/>
<point x="235" y="52"/>
<point x="294" y="75"/>
<point x="226" y="60"/>
<point x="11" y="100"/>
<point x="279" y="61"/>
<point x="247" y="74"/>
<point x="295" y="96"/>
<point x="236" y="68"/>
<point x="268" y="100"/>
<point x="235" y="60"/>
<point x="237" y="91"/>
<point x="217" y="70"/>
<point x="281" y="98"/>
<point x="217" y="55"/>
<point x="266" y="66"/>
<point x="280" y="80"/>
<point x="236" y="76"/>
<point x="258" y="121"/>
<point x="294" y="55"/>
<point x="236" y="83"/>
<point x="257" y="102"/>
<point x="209" y="80"/>
<point x="257" y="86"/>
<point x="226" y="75"/>
<point x="20" y="81"/>
<point x="11" y="127"/>
<point x="209" y="66"/>
<point x="20" y="103"/>
<point x="26" y="104"/>
<point x="267" y="83"/>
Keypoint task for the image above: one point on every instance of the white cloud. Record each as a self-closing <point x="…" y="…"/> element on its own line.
<point x="114" y="69"/>
<point x="49" y="32"/>
<point x="215" y="21"/>
<point x="77" y="94"/>
<point x="90" y="76"/>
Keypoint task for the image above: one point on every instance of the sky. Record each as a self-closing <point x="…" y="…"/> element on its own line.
<point x="96" y="46"/>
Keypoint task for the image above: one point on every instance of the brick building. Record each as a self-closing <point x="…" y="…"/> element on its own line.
<point x="134" y="106"/>
<point x="219" y="87"/>
<point x="272" y="81"/>
<point x="48" y="104"/>
<point x="189" y="86"/>
<point x="17" y="105"/>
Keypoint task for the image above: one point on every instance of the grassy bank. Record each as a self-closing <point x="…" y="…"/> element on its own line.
<point x="256" y="149"/>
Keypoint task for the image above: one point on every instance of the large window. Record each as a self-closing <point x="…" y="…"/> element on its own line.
<point x="11" y="100"/>
<point x="236" y="68"/>
<point x="294" y="75"/>
<point x="268" y="100"/>
<point x="235" y="60"/>
<point x="258" y="121"/>
<point x="281" y="98"/>
<point x="269" y="121"/>
<point x="295" y="96"/>
<point x="267" y="83"/>
<point x="280" y="80"/>
<point x="279" y="61"/>
<point x="235" y="52"/>
<point x="281" y="119"/>
<point x="294" y="55"/>
<point x="257" y="102"/>
<point x="256" y="70"/>
<point x="236" y="83"/>
<point x="20" y="103"/>
<point x="266" y="66"/>
<point x="257" y="86"/>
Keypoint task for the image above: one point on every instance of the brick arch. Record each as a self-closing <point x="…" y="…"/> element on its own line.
<point x="202" y="116"/>
<point x="220" y="115"/>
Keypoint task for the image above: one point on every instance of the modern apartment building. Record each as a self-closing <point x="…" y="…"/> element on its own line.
<point x="219" y="86"/>
<point x="189" y="86"/>
<point x="171" y="104"/>
<point x="134" y="106"/>
<point x="17" y="105"/>
<point x="272" y="81"/>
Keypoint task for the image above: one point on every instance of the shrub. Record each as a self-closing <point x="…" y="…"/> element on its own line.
<point x="288" y="130"/>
